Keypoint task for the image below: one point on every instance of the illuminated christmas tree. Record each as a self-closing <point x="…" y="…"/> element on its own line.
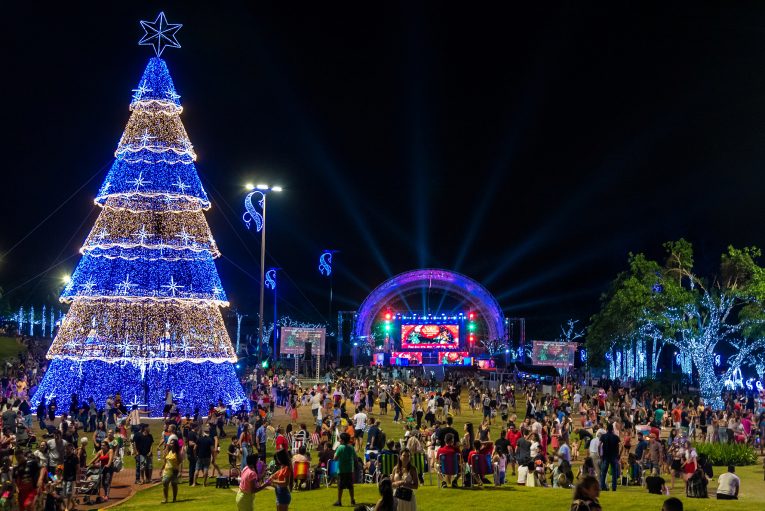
<point x="145" y="297"/>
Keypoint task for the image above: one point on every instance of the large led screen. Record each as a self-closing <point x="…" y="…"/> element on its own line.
<point x="553" y="353"/>
<point x="423" y="337"/>
<point x="293" y="340"/>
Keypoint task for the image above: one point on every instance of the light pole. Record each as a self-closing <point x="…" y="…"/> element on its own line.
<point x="325" y="269"/>
<point x="252" y="215"/>
<point x="271" y="284"/>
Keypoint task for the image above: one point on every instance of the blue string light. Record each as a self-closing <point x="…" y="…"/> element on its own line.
<point x="325" y="263"/>
<point x="193" y="385"/>
<point x="145" y="295"/>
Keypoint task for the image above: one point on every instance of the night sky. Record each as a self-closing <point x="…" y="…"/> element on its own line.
<point x="529" y="149"/>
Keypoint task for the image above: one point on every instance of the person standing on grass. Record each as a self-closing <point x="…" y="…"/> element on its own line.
<point x="245" y="443"/>
<point x="282" y="480"/>
<point x="204" y="454"/>
<point x="609" y="455"/>
<point x="143" y="442"/>
<point x="171" y="469"/>
<point x="346" y="457"/>
<point x="248" y="485"/>
<point x="261" y="436"/>
<point x="71" y="471"/>
<point x="105" y="459"/>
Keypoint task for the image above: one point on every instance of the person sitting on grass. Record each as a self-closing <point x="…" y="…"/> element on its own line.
<point x="672" y="504"/>
<point x="655" y="483"/>
<point x="696" y="486"/>
<point x="586" y="495"/>
<point x="728" y="485"/>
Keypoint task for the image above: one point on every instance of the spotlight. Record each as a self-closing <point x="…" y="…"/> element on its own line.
<point x="66" y="279"/>
<point x="249" y="186"/>
<point x="261" y="186"/>
<point x="276" y="189"/>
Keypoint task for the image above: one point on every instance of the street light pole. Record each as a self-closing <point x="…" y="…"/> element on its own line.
<point x="262" y="280"/>
<point x="259" y="218"/>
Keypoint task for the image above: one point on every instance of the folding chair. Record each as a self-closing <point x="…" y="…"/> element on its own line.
<point x="302" y="472"/>
<point x="421" y="464"/>
<point x="385" y="464"/>
<point x="297" y="443"/>
<point x="480" y="467"/>
<point x="449" y="465"/>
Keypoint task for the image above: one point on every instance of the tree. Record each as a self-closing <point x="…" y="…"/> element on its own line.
<point x="146" y="297"/>
<point x="494" y="346"/>
<point x="671" y="304"/>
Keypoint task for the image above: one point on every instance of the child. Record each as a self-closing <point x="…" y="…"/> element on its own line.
<point x="575" y="450"/>
<point x="500" y="464"/>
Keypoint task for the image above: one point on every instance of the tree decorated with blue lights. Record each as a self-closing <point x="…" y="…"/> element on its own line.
<point x="146" y="297"/>
<point x="670" y="304"/>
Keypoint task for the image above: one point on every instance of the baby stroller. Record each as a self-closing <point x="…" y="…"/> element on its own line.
<point x="87" y="487"/>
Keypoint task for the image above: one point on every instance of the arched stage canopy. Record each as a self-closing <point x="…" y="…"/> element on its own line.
<point x="477" y="298"/>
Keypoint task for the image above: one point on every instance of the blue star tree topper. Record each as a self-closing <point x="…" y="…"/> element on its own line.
<point x="160" y="34"/>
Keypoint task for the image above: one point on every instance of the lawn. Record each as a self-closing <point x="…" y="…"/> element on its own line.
<point x="10" y="347"/>
<point x="434" y="498"/>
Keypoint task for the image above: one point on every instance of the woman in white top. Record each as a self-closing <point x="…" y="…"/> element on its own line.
<point x="534" y="445"/>
<point x="405" y="481"/>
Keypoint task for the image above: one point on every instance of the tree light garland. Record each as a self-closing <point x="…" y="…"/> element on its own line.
<point x="145" y="295"/>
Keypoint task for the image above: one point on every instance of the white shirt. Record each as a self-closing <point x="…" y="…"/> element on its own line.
<point x="534" y="450"/>
<point x="728" y="483"/>
<point x="316" y="401"/>
<point x="595" y="447"/>
<point x="360" y="421"/>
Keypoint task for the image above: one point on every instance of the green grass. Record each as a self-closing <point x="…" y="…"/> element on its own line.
<point x="433" y="498"/>
<point x="10" y="347"/>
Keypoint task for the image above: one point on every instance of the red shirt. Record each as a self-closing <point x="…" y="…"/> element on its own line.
<point x="513" y="437"/>
<point x="447" y="449"/>
<point x="281" y="443"/>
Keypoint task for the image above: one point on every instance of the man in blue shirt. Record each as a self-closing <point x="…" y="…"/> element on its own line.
<point x="261" y="437"/>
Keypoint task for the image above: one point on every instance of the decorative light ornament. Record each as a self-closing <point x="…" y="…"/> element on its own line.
<point x="172" y="287"/>
<point x="160" y="34"/>
<point x="140" y="91"/>
<point x="325" y="263"/>
<point x="252" y="214"/>
<point x="270" y="282"/>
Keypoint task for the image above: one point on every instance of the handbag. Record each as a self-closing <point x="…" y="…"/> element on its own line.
<point x="403" y="493"/>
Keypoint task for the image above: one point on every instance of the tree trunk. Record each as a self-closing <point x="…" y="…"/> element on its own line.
<point x="709" y="383"/>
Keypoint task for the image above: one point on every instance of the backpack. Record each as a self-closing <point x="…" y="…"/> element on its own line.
<point x="381" y="440"/>
<point x="117" y="464"/>
<point x="486" y="401"/>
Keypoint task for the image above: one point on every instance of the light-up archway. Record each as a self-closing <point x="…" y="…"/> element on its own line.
<point x="476" y="296"/>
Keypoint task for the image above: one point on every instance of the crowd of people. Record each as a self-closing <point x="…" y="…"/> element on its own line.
<point x="571" y="436"/>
